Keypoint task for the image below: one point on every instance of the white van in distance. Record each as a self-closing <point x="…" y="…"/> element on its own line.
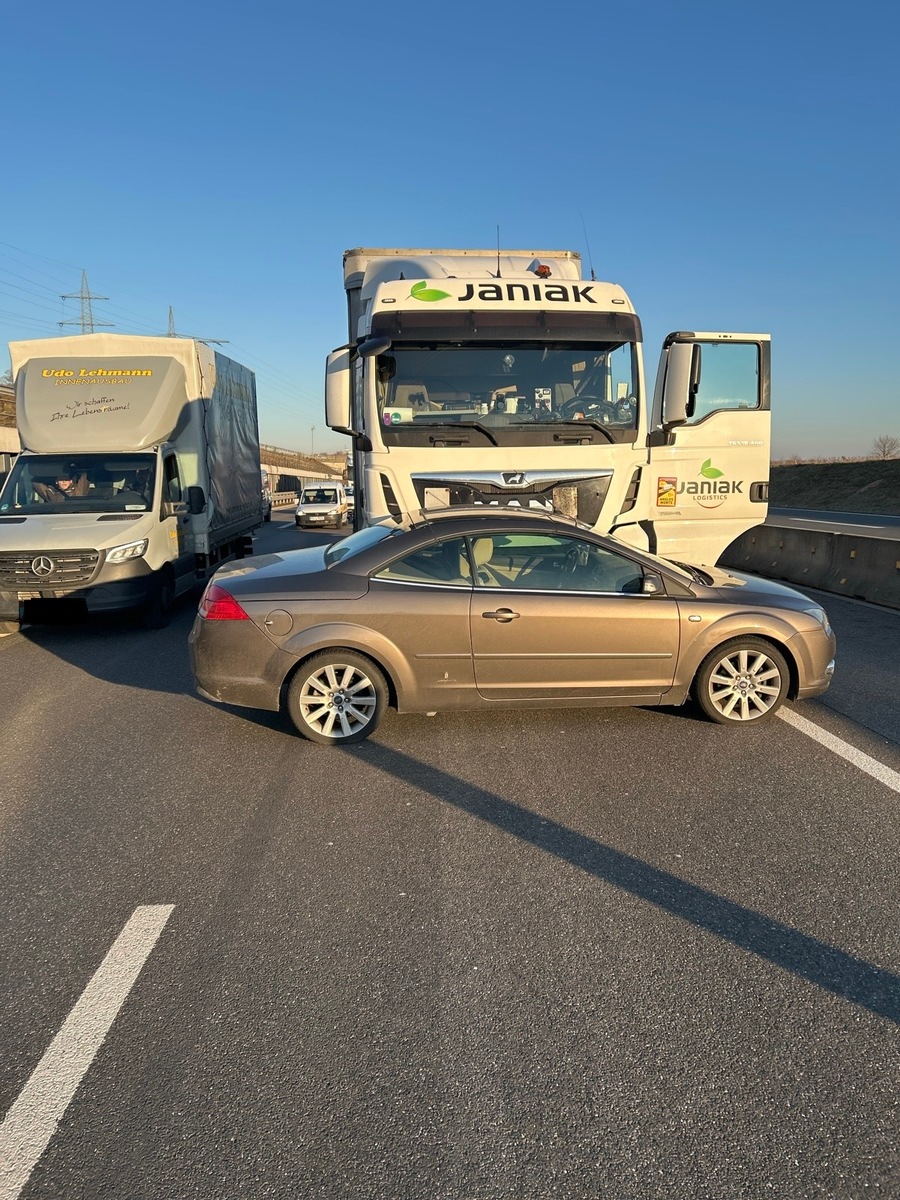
<point x="322" y="504"/>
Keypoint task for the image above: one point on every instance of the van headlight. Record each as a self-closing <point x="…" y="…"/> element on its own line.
<point x="128" y="551"/>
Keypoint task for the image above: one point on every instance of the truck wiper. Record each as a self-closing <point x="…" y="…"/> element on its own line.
<point x="578" y="425"/>
<point x="447" y="441"/>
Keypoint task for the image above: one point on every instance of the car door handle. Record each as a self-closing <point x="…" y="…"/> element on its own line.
<point x="502" y="614"/>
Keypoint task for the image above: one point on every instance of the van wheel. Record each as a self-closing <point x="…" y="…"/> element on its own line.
<point x="158" y="611"/>
<point x="337" y="697"/>
<point x="742" y="682"/>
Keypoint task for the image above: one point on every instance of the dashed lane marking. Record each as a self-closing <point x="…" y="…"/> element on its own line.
<point x="31" y="1122"/>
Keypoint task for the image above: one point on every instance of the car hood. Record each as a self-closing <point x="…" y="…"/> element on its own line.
<point x="291" y="575"/>
<point x="754" y="590"/>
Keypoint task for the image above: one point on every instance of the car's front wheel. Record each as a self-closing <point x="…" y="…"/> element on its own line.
<point x="742" y="682"/>
<point x="337" y="697"/>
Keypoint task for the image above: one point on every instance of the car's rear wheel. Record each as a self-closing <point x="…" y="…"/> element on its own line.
<point x="742" y="682"/>
<point x="337" y="697"/>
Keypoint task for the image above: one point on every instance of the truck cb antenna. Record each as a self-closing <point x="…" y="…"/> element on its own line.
<point x="587" y="246"/>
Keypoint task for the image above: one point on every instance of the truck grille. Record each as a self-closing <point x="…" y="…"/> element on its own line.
<point x="54" y="570"/>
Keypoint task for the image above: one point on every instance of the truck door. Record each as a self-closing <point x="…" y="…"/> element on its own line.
<point x="709" y="443"/>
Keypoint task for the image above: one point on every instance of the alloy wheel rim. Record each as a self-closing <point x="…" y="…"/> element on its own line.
<point x="338" y="700"/>
<point x="744" y="685"/>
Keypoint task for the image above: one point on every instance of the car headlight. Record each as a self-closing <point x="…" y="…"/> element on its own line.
<point x="820" y="615"/>
<point x="128" y="551"/>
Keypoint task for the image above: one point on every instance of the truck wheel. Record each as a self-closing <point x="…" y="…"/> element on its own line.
<point x="337" y="697"/>
<point x="158" y="610"/>
<point x="742" y="682"/>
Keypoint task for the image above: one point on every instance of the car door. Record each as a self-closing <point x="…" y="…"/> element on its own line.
<point x="420" y="604"/>
<point x="555" y="617"/>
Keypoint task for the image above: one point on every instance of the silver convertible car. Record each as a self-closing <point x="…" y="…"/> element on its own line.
<point x="480" y="608"/>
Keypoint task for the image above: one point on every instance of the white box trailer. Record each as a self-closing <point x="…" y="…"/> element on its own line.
<point x="139" y="472"/>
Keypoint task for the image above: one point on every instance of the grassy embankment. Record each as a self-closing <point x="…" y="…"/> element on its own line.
<point x="868" y="486"/>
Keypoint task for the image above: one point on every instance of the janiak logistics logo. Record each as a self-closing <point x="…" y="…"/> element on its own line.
<point x="421" y="291"/>
<point x="709" y="492"/>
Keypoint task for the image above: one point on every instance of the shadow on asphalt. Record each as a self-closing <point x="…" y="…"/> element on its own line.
<point x="842" y="974"/>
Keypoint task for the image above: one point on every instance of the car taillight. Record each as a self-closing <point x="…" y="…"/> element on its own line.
<point x="219" y="605"/>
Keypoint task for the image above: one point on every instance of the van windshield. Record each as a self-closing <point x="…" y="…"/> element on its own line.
<point x="87" y="483"/>
<point x="319" y="496"/>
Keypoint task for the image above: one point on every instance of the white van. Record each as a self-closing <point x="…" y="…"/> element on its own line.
<point x="322" y="504"/>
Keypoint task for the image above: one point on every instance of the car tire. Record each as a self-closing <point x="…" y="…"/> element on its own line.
<point x="742" y="682"/>
<point x="337" y="697"/>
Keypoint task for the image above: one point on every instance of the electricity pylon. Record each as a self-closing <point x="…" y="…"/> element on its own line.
<point x="208" y="341"/>
<point x="86" y="320"/>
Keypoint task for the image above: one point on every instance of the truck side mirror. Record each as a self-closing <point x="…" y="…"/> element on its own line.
<point x="681" y="383"/>
<point x="196" y="500"/>
<point x="337" y="390"/>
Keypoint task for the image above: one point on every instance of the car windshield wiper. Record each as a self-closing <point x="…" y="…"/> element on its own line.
<point x="695" y="574"/>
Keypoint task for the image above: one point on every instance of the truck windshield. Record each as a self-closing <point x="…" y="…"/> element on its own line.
<point x="87" y="483"/>
<point x="507" y="388"/>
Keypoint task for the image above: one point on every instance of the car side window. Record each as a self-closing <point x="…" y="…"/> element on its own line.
<point x="552" y="562"/>
<point x="443" y="563"/>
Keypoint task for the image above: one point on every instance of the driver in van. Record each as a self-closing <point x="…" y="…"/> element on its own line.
<point x="68" y="485"/>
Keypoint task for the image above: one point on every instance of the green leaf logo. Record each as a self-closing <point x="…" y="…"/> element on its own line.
<point x="420" y="291"/>
<point x="708" y="471"/>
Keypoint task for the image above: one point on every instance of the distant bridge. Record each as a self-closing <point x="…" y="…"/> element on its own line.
<point x="288" y="471"/>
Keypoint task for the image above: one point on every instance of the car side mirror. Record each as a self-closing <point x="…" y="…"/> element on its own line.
<point x="652" y="585"/>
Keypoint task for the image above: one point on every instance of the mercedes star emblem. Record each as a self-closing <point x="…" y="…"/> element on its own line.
<point x="42" y="566"/>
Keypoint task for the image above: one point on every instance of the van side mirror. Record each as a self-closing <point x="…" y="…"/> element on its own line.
<point x="196" y="500"/>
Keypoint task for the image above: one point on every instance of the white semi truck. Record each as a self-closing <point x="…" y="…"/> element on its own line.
<point x="139" y="472"/>
<point x="498" y="378"/>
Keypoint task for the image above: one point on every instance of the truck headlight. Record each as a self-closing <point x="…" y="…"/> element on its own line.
<point x="129" y="550"/>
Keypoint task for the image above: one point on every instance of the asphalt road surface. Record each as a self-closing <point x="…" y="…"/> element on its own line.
<point x="516" y="956"/>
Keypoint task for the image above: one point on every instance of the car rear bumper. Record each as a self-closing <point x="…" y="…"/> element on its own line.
<point x="234" y="662"/>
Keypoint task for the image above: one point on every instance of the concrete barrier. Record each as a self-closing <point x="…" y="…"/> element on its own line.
<point x="865" y="568"/>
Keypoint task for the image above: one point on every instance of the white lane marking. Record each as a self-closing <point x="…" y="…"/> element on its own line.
<point x="31" y="1122"/>
<point x="865" y="763"/>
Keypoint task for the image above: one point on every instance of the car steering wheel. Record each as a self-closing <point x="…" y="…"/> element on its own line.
<point x="571" y="560"/>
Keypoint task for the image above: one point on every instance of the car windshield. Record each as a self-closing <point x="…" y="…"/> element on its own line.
<point x="356" y="543"/>
<point x="87" y="483"/>
<point x="320" y="496"/>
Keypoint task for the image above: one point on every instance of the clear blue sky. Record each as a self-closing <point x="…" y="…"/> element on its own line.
<point x="735" y="167"/>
